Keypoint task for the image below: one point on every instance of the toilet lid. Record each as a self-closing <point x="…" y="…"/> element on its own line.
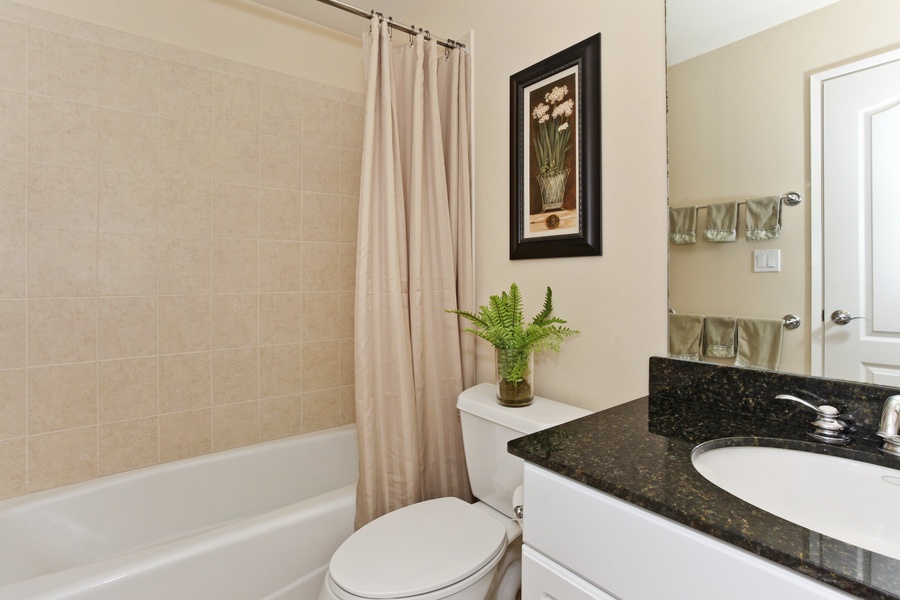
<point x="417" y="549"/>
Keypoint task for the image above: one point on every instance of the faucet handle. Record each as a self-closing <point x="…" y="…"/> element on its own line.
<point x="889" y="425"/>
<point x="827" y="427"/>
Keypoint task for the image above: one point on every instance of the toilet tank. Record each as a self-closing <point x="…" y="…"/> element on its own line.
<point x="486" y="428"/>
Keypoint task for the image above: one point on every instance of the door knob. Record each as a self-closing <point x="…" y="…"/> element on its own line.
<point x="842" y="317"/>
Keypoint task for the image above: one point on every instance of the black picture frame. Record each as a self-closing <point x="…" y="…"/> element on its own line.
<point x="555" y="194"/>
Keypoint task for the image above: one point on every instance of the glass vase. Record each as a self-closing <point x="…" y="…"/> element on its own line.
<point x="515" y="377"/>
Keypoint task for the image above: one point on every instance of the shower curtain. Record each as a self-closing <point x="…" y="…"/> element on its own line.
<point x="413" y="261"/>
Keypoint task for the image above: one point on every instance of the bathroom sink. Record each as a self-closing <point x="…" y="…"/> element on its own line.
<point x="848" y="500"/>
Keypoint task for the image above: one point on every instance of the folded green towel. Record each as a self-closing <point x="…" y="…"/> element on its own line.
<point x="683" y="225"/>
<point x="684" y="336"/>
<point x="759" y="343"/>
<point x="719" y="336"/>
<point x="763" y="216"/>
<point x="721" y="222"/>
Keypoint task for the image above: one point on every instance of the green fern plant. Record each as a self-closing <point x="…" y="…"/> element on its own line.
<point x="501" y="322"/>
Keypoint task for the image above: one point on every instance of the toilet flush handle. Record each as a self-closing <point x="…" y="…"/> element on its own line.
<point x="519" y="511"/>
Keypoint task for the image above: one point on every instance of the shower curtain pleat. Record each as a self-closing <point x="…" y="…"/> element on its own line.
<point x="409" y="358"/>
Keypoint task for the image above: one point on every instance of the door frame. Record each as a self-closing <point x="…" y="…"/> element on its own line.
<point x="816" y="206"/>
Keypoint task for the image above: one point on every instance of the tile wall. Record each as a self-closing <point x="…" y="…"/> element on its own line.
<point x="177" y="252"/>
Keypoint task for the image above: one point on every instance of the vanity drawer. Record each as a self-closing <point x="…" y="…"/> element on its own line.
<point x="635" y="554"/>
<point x="543" y="579"/>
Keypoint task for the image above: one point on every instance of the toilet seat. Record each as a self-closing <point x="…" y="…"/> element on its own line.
<point x="418" y="549"/>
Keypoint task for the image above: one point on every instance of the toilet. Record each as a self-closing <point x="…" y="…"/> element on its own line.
<point x="448" y="548"/>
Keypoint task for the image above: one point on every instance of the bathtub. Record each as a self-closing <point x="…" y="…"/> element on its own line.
<point x="259" y="523"/>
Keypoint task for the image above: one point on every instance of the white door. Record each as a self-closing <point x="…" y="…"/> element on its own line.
<point x="861" y="221"/>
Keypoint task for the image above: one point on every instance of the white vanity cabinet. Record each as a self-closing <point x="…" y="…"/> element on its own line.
<point x="581" y="543"/>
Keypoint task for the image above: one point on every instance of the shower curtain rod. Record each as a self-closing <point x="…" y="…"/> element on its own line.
<point x="448" y="43"/>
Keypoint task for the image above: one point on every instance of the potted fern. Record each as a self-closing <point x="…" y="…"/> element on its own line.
<point x="501" y="323"/>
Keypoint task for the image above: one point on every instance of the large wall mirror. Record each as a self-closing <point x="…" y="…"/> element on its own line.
<point x="739" y="127"/>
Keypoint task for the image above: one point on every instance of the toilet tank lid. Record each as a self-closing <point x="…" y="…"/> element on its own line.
<point x="481" y="401"/>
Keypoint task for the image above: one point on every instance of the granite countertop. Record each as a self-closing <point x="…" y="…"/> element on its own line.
<point x="641" y="452"/>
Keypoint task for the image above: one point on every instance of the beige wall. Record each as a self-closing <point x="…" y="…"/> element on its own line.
<point x="239" y="30"/>
<point x="177" y="249"/>
<point x="618" y="300"/>
<point x="738" y="128"/>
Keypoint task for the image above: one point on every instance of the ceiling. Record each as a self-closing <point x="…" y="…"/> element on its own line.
<point x="693" y="27"/>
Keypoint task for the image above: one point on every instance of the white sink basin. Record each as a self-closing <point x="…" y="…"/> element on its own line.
<point x="848" y="500"/>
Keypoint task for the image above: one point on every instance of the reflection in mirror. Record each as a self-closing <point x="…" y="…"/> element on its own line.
<point x="738" y="126"/>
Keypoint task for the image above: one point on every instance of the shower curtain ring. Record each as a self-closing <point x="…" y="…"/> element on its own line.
<point x="427" y="36"/>
<point x="391" y="27"/>
<point x="412" y="38"/>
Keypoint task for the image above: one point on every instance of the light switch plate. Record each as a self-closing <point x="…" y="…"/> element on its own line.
<point x="766" y="261"/>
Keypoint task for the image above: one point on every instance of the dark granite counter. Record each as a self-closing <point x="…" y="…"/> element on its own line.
<point x="641" y="452"/>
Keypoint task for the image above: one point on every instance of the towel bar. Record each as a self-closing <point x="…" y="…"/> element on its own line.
<point x="791" y="321"/>
<point x="789" y="199"/>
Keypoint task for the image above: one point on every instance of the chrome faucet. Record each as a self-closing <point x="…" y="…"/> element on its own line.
<point x="888" y="428"/>
<point x="828" y="426"/>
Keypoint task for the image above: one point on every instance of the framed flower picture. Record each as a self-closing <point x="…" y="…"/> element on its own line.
<point x="555" y="185"/>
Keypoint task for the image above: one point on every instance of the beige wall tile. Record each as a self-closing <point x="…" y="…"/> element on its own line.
<point x="61" y="457"/>
<point x="279" y="370"/>
<point x="127" y="389"/>
<point x="348" y="359"/>
<point x="279" y="417"/>
<point x="12" y="468"/>
<point x="126" y="265"/>
<point x="353" y="120"/>
<point x="321" y="264"/>
<point x="321" y="365"/>
<point x="62" y="132"/>
<point x="348" y="310"/>
<point x="62" y="66"/>
<point x="235" y="320"/>
<point x="347" y="274"/>
<point x="128" y="445"/>
<point x="186" y="93"/>
<point x="13" y="264"/>
<point x="129" y="141"/>
<point x="236" y="157"/>
<point x="235" y="375"/>
<point x="280" y="266"/>
<point x="321" y="410"/>
<point x="279" y="214"/>
<point x="127" y="327"/>
<point x="280" y="162"/>
<point x="12" y="404"/>
<point x="321" y="168"/>
<point x="184" y="323"/>
<point x="185" y="150"/>
<point x="183" y="265"/>
<point x="128" y="202"/>
<point x="236" y="103"/>
<point x="321" y="217"/>
<point x="183" y="382"/>
<point x="184" y="207"/>
<point x="185" y="434"/>
<point x="234" y="266"/>
<point x="281" y="112"/>
<point x="12" y="125"/>
<point x="62" y="330"/>
<point x="12" y="193"/>
<point x="349" y="219"/>
<point x="13" y="39"/>
<point x="235" y="425"/>
<point x="12" y="334"/>
<point x="62" y="397"/>
<point x="235" y="211"/>
<point x="348" y="405"/>
<point x="321" y="316"/>
<point x="62" y="264"/>
<point x="129" y="80"/>
<point x="279" y="319"/>
<point x="321" y="120"/>
<point x="350" y="170"/>
<point x="62" y="198"/>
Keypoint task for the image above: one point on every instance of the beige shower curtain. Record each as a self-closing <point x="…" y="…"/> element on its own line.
<point x="413" y="262"/>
